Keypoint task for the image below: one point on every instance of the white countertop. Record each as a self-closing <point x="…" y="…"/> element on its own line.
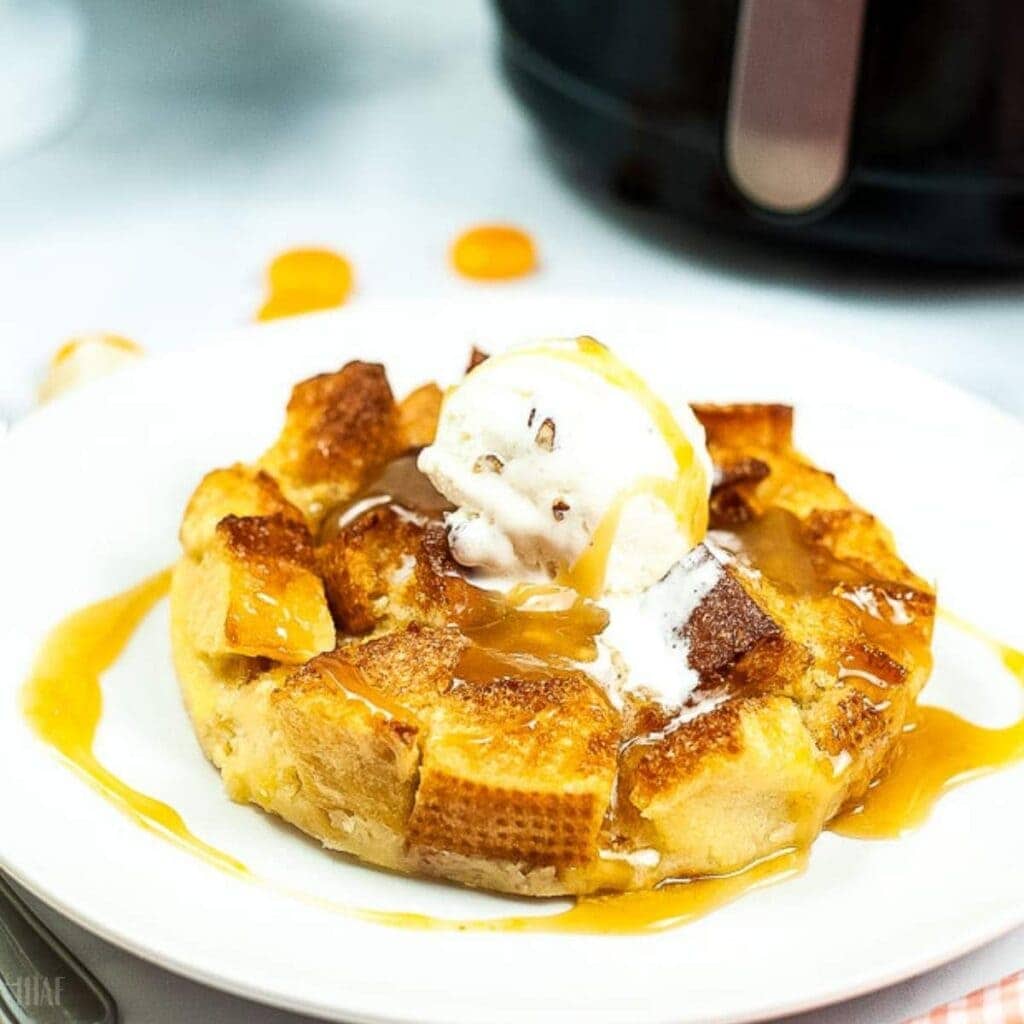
<point x="214" y="135"/>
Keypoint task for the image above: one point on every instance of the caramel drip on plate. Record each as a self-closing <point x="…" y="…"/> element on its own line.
<point x="630" y="913"/>
<point x="63" y="702"/>
<point x="672" y="904"/>
<point x="938" y="750"/>
<point x="688" y="505"/>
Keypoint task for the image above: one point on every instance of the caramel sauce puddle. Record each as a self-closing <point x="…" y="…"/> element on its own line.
<point x="63" y="701"/>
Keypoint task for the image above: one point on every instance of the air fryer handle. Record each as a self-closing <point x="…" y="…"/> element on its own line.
<point x="791" y="100"/>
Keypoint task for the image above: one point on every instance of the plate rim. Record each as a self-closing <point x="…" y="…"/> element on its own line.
<point x="995" y="924"/>
<point x="825" y="998"/>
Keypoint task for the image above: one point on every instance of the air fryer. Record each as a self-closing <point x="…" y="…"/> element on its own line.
<point x="872" y="125"/>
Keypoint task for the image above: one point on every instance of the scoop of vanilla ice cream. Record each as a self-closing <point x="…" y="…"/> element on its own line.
<point x="562" y="461"/>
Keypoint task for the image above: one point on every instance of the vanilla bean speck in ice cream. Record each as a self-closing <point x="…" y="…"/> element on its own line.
<point x="563" y="463"/>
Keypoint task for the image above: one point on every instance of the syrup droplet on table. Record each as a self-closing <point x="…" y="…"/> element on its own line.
<point x="304" y="281"/>
<point x="494" y="252"/>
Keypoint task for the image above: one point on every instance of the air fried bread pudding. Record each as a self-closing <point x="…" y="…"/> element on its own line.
<point x="545" y="634"/>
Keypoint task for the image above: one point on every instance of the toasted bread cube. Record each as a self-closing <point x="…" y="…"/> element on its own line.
<point x="518" y="768"/>
<point x="757" y="467"/>
<point x="860" y="539"/>
<point x="731" y="634"/>
<point x="854" y="719"/>
<point x="733" y="637"/>
<point x="442" y="587"/>
<point x="798" y="487"/>
<point x="368" y="569"/>
<point x="340" y="430"/>
<point x="237" y="490"/>
<point x="353" y="746"/>
<point x="418" y="413"/>
<point x="729" y="786"/>
<point x="413" y="667"/>
<point x="387" y="569"/>
<point x="258" y="595"/>
<point x="747" y="425"/>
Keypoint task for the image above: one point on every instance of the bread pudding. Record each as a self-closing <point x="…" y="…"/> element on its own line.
<point x="633" y="642"/>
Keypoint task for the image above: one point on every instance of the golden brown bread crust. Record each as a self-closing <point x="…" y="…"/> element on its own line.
<point x="238" y="489"/>
<point x="340" y="429"/>
<point x="519" y="768"/>
<point x="260" y="594"/>
<point x="348" y="741"/>
<point x="358" y="703"/>
<point x="746" y="426"/>
<point x="361" y="566"/>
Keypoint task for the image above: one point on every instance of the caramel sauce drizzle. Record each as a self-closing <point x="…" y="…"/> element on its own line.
<point x="587" y="574"/>
<point x="63" y="702"/>
<point x="670" y="905"/>
<point x="937" y="751"/>
<point x="557" y="638"/>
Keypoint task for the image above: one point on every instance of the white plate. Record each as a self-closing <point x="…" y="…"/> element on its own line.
<point x="93" y="489"/>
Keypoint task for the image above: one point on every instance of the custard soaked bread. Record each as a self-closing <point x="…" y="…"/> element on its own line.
<point x="343" y="671"/>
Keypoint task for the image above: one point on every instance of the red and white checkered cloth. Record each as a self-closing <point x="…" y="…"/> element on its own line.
<point x="1001" y="1003"/>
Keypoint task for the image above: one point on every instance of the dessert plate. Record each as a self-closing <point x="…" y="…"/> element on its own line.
<point x="94" y="488"/>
